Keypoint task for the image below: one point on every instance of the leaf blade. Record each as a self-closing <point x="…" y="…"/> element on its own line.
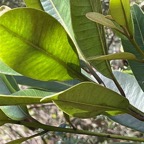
<point x="88" y="100"/>
<point x="136" y="67"/>
<point x="37" y="58"/>
<point x="122" y="55"/>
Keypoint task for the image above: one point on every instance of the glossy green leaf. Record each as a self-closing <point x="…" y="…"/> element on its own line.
<point x="88" y="100"/>
<point x="101" y="19"/>
<point x="137" y="68"/>
<point x="120" y="12"/>
<point x="51" y="86"/>
<point x="122" y="55"/>
<point x="41" y="52"/>
<point x="34" y="4"/>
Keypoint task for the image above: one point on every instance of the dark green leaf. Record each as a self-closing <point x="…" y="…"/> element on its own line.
<point x="41" y="52"/>
<point x="90" y="36"/>
<point x="129" y="121"/>
<point x="51" y="86"/>
<point x="8" y="86"/>
<point x="137" y="67"/>
<point x="88" y="100"/>
<point x="12" y="82"/>
<point x="3" y="118"/>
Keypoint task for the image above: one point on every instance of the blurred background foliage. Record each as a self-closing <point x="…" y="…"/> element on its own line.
<point x="50" y="115"/>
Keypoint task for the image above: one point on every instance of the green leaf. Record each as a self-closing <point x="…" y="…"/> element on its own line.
<point x="12" y="82"/>
<point x="5" y="69"/>
<point x="50" y="7"/>
<point x="129" y="84"/>
<point x="41" y="52"/>
<point x="34" y="4"/>
<point x="51" y="86"/>
<point x="60" y="9"/>
<point x="129" y="121"/>
<point x="88" y="100"/>
<point x="17" y="113"/>
<point x="9" y="83"/>
<point x="101" y="19"/>
<point x="6" y="100"/>
<point x="89" y="35"/>
<point x="122" y="55"/>
<point x="23" y="97"/>
<point x="8" y="86"/>
<point x="137" y="68"/>
<point x="3" y="118"/>
<point x="120" y="12"/>
<point x="134" y="94"/>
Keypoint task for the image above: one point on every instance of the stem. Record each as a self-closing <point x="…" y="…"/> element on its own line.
<point x="136" y="113"/>
<point x="95" y="74"/>
<point x="68" y="130"/>
<point x="118" y="86"/>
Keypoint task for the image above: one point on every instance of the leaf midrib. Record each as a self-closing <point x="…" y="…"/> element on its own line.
<point x="90" y="105"/>
<point x="41" y="50"/>
<point x="34" y="46"/>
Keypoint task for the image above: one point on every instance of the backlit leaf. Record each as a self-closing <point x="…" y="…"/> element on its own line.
<point x="38" y="46"/>
<point x="120" y="12"/>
